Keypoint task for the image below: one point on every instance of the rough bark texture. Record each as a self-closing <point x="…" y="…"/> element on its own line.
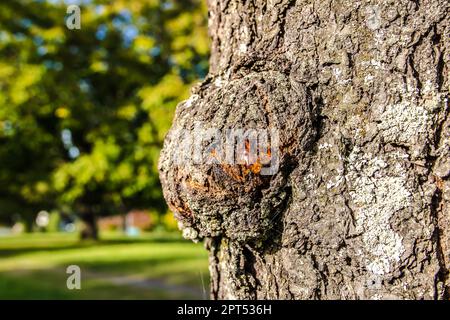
<point x="358" y="208"/>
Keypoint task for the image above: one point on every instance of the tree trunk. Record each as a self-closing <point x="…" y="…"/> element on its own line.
<point x="355" y="95"/>
<point x="89" y="229"/>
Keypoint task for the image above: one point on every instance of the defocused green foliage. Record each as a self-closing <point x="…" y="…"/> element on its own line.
<point x="53" y="225"/>
<point x="169" y="222"/>
<point x="83" y="113"/>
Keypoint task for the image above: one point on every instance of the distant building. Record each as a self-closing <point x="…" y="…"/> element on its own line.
<point x="139" y="219"/>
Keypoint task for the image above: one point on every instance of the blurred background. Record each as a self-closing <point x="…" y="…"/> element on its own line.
<point x="83" y="115"/>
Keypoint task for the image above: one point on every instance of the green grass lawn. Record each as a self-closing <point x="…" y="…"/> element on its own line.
<point x="152" y="266"/>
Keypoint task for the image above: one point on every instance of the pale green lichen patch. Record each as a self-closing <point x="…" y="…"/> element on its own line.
<point x="405" y="122"/>
<point x="379" y="191"/>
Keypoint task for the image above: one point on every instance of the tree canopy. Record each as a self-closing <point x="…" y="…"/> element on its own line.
<point x="83" y="113"/>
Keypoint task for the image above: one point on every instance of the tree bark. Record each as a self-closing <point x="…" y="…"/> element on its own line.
<point x="358" y="206"/>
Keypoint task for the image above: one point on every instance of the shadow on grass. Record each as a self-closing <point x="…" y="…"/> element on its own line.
<point x="51" y="284"/>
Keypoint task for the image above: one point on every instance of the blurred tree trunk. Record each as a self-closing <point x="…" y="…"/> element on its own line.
<point x="89" y="230"/>
<point x="29" y="219"/>
<point x="359" y="205"/>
